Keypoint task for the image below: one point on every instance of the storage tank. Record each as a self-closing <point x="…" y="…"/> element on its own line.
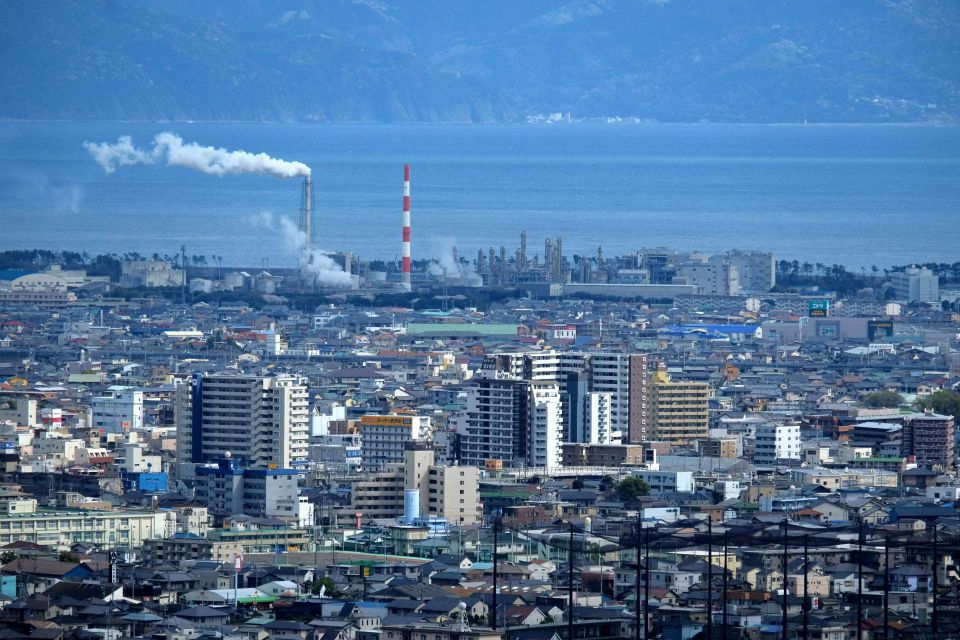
<point x="411" y="505"/>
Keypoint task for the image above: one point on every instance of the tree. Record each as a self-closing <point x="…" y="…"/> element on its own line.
<point x="7" y="557"/>
<point x="577" y="483"/>
<point x="66" y="556"/>
<point x="883" y="400"/>
<point x="632" y="487"/>
<point x="944" y="402"/>
<point x="316" y="585"/>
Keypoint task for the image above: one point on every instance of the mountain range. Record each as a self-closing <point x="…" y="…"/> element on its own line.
<point x="490" y="61"/>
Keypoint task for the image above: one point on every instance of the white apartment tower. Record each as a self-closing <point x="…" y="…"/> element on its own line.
<point x="626" y="377"/>
<point x="261" y="420"/>
<point x="598" y="426"/>
<point x="120" y="411"/>
<point x="545" y="424"/>
<point x="777" y="443"/>
<point x="916" y="285"/>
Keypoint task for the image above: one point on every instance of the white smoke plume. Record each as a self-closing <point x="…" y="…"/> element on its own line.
<point x="120" y="154"/>
<point x="318" y="262"/>
<point x="447" y="266"/>
<point x="170" y="148"/>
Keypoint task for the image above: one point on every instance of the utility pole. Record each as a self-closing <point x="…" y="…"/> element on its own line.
<point x="570" y="596"/>
<point x="709" y="578"/>
<point x="725" y="555"/>
<point x="860" y="581"/>
<point x="493" y="613"/>
<point x="934" y="626"/>
<point x="784" y="612"/>
<point x="806" y="576"/>
<point x="636" y="603"/>
<point x="646" y="589"/>
<point x="886" y="588"/>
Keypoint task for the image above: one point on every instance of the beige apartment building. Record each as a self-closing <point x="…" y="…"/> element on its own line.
<point x="451" y="492"/>
<point x="681" y="410"/>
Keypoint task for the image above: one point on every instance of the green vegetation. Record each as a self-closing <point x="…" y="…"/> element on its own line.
<point x="630" y="488"/>
<point x="106" y="264"/>
<point x="315" y="586"/>
<point x="883" y="400"/>
<point x="943" y="402"/>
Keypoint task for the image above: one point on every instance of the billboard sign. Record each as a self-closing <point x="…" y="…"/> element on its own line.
<point x="878" y="328"/>
<point x="818" y="308"/>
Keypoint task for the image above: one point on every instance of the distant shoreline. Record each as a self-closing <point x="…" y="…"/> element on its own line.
<point x="580" y="122"/>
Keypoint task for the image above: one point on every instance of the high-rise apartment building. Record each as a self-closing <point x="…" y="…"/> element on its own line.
<point x="445" y="491"/>
<point x="930" y="437"/>
<point x="384" y="438"/>
<point x="260" y="420"/>
<point x="494" y="424"/>
<point x="545" y="426"/>
<point x="598" y="425"/>
<point x="756" y="270"/>
<point x="624" y="376"/>
<point x="680" y="410"/>
<point x="716" y="276"/>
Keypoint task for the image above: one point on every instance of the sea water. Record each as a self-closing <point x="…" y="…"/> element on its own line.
<point x="855" y="195"/>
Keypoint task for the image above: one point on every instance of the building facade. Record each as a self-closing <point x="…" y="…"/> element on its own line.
<point x="777" y="443"/>
<point x="930" y="438"/>
<point x="261" y="421"/>
<point x="680" y="410"/>
<point x="916" y="285"/>
<point x="384" y="438"/>
<point x="228" y="489"/>
<point x="119" y="411"/>
<point x="66" y="527"/>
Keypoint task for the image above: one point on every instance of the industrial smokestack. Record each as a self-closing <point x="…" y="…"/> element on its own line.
<point x="405" y="266"/>
<point x="306" y="219"/>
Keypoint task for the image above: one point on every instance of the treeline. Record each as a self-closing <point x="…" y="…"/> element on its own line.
<point x="834" y="277"/>
<point x="104" y="264"/>
<point x="38" y="259"/>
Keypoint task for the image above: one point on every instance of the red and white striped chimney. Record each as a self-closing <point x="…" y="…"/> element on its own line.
<point x="405" y="266"/>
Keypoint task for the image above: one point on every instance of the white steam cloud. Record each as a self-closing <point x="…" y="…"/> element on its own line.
<point x="447" y="266"/>
<point x="170" y="148"/>
<point x="317" y="262"/>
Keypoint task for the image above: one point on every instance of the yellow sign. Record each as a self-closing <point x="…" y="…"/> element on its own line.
<point x="366" y="572"/>
<point x="493" y="464"/>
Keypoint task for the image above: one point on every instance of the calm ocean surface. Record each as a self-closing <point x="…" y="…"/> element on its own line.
<point x="856" y="195"/>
